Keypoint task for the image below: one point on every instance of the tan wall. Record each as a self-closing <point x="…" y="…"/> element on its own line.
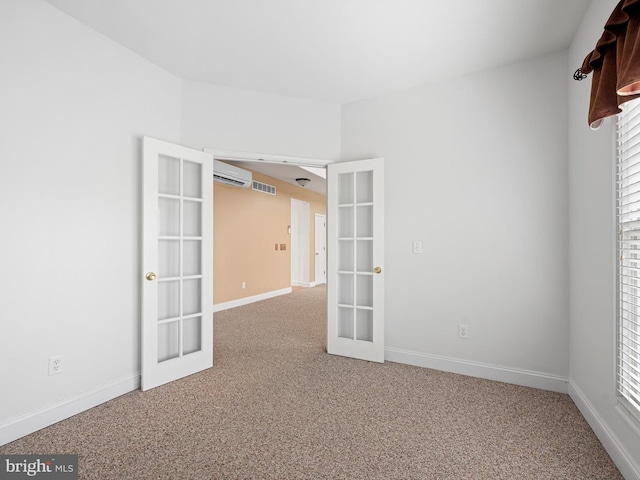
<point x="246" y="226"/>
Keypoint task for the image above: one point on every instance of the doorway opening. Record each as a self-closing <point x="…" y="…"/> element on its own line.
<point x="281" y="250"/>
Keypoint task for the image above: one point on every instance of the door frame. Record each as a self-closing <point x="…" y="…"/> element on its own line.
<point x="232" y="155"/>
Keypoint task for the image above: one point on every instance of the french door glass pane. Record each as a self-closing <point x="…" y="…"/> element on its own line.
<point x="192" y="296"/>
<point x="168" y="345"/>
<point x="345" y="323"/>
<point x="364" y="290"/>
<point x="168" y="258"/>
<point x="345" y="256"/>
<point x="364" y="187"/>
<point x="192" y="186"/>
<point x="345" y="188"/>
<point x="345" y="289"/>
<point x="168" y="175"/>
<point x="168" y="299"/>
<point x="192" y="226"/>
<point x="191" y="333"/>
<point x="192" y="264"/>
<point x="169" y="217"/>
<point x="364" y="325"/>
<point x="345" y="222"/>
<point x="364" y="220"/>
<point x="364" y="256"/>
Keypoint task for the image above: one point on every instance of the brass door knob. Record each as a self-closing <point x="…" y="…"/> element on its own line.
<point x="377" y="270"/>
<point x="151" y="276"/>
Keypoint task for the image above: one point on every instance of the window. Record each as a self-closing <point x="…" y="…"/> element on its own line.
<point x="628" y="283"/>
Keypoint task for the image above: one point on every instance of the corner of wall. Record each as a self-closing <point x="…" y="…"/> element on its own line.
<point x="616" y="449"/>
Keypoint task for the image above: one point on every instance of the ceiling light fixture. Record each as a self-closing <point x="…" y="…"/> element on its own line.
<point x="302" y="181"/>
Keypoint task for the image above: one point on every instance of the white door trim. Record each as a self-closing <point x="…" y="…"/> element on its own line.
<point x="311" y="162"/>
<point x="219" y="154"/>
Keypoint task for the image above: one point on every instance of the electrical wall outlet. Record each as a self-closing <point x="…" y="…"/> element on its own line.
<point x="463" y="331"/>
<point x="55" y="365"/>
<point x="244" y="284"/>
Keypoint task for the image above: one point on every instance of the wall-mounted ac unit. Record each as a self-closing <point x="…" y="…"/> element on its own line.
<point x="231" y="175"/>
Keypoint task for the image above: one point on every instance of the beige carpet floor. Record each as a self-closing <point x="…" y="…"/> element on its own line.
<point x="276" y="406"/>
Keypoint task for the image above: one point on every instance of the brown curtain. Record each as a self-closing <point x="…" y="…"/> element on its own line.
<point x="615" y="63"/>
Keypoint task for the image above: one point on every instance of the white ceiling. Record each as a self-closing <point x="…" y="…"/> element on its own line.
<point x="331" y="50"/>
<point x="338" y="51"/>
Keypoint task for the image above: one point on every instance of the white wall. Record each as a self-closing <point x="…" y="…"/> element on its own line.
<point x="475" y="168"/>
<point x="243" y="120"/>
<point x="592" y="254"/>
<point x="481" y="159"/>
<point x="74" y="106"/>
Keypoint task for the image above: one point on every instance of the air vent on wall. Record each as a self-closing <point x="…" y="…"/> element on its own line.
<point x="264" y="188"/>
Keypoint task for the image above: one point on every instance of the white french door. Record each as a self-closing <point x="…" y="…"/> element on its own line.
<point x="177" y="275"/>
<point x="355" y="281"/>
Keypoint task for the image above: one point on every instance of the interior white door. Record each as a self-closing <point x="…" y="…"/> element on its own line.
<point x="355" y="233"/>
<point x="300" y="239"/>
<point x="320" y="247"/>
<point x="177" y="271"/>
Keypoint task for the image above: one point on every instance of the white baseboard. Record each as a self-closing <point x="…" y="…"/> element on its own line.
<point x="218" y="307"/>
<point x="33" y="421"/>
<point x="525" y="378"/>
<point x="620" y="456"/>
<point x="304" y="284"/>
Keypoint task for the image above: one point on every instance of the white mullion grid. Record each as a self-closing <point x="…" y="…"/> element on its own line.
<point x="181" y="262"/>
<point x="175" y="279"/>
<point x="628" y="217"/>
<point x="168" y="320"/>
